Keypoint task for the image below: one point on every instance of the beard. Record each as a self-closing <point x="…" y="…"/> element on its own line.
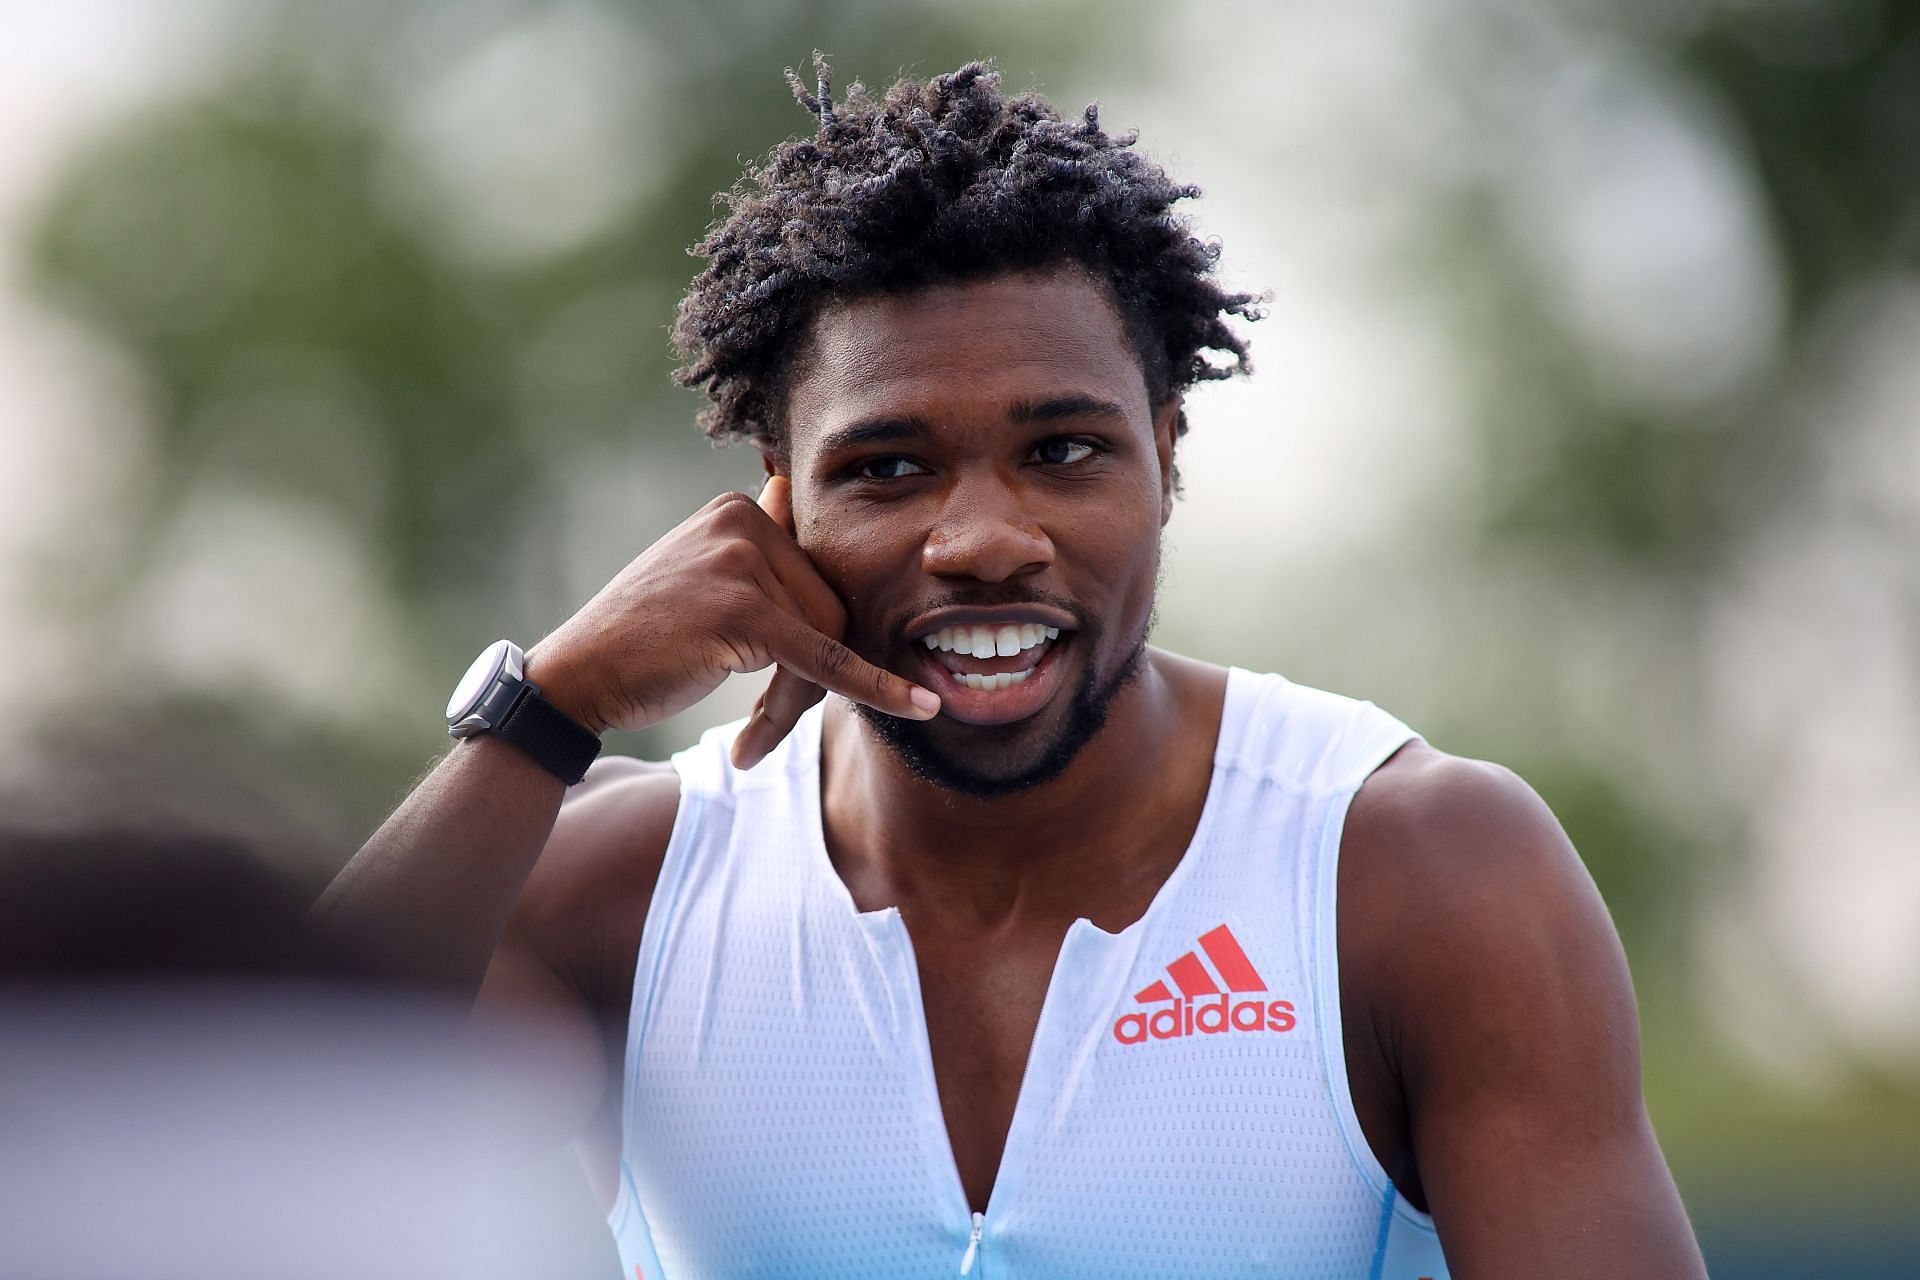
<point x="1001" y="760"/>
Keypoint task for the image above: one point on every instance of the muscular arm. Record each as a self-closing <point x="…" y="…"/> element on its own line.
<point x="490" y="884"/>
<point x="564" y="963"/>
<point x="728" y="590"/>
<point x="431" y="889"/>
<point x="1502" y="1003"/>
<point x="448" y="891"/>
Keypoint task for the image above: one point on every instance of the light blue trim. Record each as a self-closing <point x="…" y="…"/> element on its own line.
<point x="1380" y="1240"/>
<point x="626" y="1179"/>
<point x="617" y="1216"/>
<point x="633" y="1234"/>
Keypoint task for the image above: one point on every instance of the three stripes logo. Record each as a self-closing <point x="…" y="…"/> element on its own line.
<point x="1204" y="1005"/>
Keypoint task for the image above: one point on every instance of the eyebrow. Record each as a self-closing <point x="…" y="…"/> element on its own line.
<point x="875" y="431"/>
<point x="1074" y="405"/>
<point x="892" y="427"/>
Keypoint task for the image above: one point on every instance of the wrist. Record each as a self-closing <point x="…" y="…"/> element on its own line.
<point x="562" y="686"/>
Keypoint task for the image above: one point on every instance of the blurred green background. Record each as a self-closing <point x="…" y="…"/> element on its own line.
<point x="1585" y="437"/>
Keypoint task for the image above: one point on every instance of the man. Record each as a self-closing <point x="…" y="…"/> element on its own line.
<point x="1038" y="951"/>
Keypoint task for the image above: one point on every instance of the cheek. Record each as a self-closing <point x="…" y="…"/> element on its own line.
<point x="851" y="557"/>
<point x="1123" y="533"/>
<point x="1112" y="568"/>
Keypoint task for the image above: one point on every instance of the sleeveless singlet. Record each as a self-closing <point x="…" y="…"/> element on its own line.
<point x="1184" y="1111"/>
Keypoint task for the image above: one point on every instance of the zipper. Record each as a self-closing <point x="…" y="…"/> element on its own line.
<point x="972" y="1254"/>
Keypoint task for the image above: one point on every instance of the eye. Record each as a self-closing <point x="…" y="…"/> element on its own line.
<point x="888" y="468"/>
<point x="1063" y="451"/>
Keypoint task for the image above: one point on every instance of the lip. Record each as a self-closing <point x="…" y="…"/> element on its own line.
<point x="1010" y="615"/>
<point x="997" y="706"/>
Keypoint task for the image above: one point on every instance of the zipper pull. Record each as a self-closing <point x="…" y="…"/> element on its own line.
<point x="973" y="1245"/>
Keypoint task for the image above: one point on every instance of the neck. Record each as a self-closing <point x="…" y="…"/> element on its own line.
<point x="1097" y="841"/>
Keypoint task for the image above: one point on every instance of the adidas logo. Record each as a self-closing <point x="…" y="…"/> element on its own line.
<point x="1195" y="1011"/>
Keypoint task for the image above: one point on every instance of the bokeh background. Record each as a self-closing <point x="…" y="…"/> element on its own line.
<point x="1585" y="437"/>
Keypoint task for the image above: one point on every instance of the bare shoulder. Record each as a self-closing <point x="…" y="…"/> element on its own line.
<point x="1494" y="1038"/>
<point x="1472" y="939"/>
<point x="1426" y="799"/>
<point x="1479" y="946"/>
<point x="1439" y="845"/>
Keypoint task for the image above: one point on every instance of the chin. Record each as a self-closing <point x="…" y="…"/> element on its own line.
<point x="985" y="762"/>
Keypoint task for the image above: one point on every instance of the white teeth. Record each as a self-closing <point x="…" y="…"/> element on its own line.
<point x="992" y="684"/>
<point x="991" y="642"/>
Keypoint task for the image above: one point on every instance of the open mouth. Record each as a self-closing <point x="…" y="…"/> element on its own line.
<point x="993" y="674"/>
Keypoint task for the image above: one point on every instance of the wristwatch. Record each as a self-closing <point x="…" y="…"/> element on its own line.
<point x="496" y="697"/>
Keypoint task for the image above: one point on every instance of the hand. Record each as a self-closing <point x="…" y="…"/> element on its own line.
<point x="728" y="590"/>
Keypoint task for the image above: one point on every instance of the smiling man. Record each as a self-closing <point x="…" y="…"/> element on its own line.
<point x="1037" y="951"/>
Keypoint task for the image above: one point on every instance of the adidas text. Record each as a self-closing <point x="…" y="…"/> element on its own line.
<point x="1208" y="1017"/>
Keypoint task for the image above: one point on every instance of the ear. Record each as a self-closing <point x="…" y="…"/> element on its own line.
<point x="773" y="458"/>
<point x="1168" y="418"/>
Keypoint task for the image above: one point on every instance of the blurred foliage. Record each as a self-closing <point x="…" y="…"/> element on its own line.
<point x="1825" y="98"/>
<point x="292" y="328"/>
<point x="1828" y="95"/>
<point x="323" y="316"/>
<point x="1579" y="466"/>
<point x="307" y="330"/>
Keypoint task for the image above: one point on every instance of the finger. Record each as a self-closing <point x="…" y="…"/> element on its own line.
<point x="819" y="604"/>
<point x="787" y="694"/>
<point x="830" y="664"/>
<point x="787" y="698"/>
<point x="813" y="598"/>
<point x="802" y="592"/>
<point x="745" y="754"/>
<point x="778" y="710"/>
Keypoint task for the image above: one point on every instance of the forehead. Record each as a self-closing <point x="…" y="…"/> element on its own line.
<point x="966" y="349"/>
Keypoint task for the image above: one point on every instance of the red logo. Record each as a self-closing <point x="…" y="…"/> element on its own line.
<point x="1195" y="1011"/>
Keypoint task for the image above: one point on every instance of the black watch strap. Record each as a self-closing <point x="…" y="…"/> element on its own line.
<point x="558" y="743"/>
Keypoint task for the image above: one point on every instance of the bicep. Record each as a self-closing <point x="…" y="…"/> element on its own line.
<point x="1520" y="1058"/>
<point x="559" y="980"/>
<point x="554" y="1035"/>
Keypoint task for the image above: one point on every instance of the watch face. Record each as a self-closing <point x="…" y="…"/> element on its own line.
<point x="477" y="681"/>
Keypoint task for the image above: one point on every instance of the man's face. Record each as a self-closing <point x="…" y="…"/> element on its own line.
<point x="979" y="464"/>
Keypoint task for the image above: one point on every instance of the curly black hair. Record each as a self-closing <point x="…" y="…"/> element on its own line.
<point x="942" y="181"/>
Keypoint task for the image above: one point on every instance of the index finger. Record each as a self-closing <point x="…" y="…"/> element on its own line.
<point x="822" y="659"/>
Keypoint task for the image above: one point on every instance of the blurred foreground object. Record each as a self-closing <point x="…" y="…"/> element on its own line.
<point x="192" y="1083"/>
<point x="122" y="904"/>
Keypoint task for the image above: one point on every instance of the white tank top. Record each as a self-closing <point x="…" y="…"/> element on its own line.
<point x="1185" y="1109"/>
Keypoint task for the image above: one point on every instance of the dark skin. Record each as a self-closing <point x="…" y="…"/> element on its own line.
<point x="1489" y="1021"/>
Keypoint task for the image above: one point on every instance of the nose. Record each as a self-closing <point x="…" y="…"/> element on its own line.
<point x="983" y="533"/>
